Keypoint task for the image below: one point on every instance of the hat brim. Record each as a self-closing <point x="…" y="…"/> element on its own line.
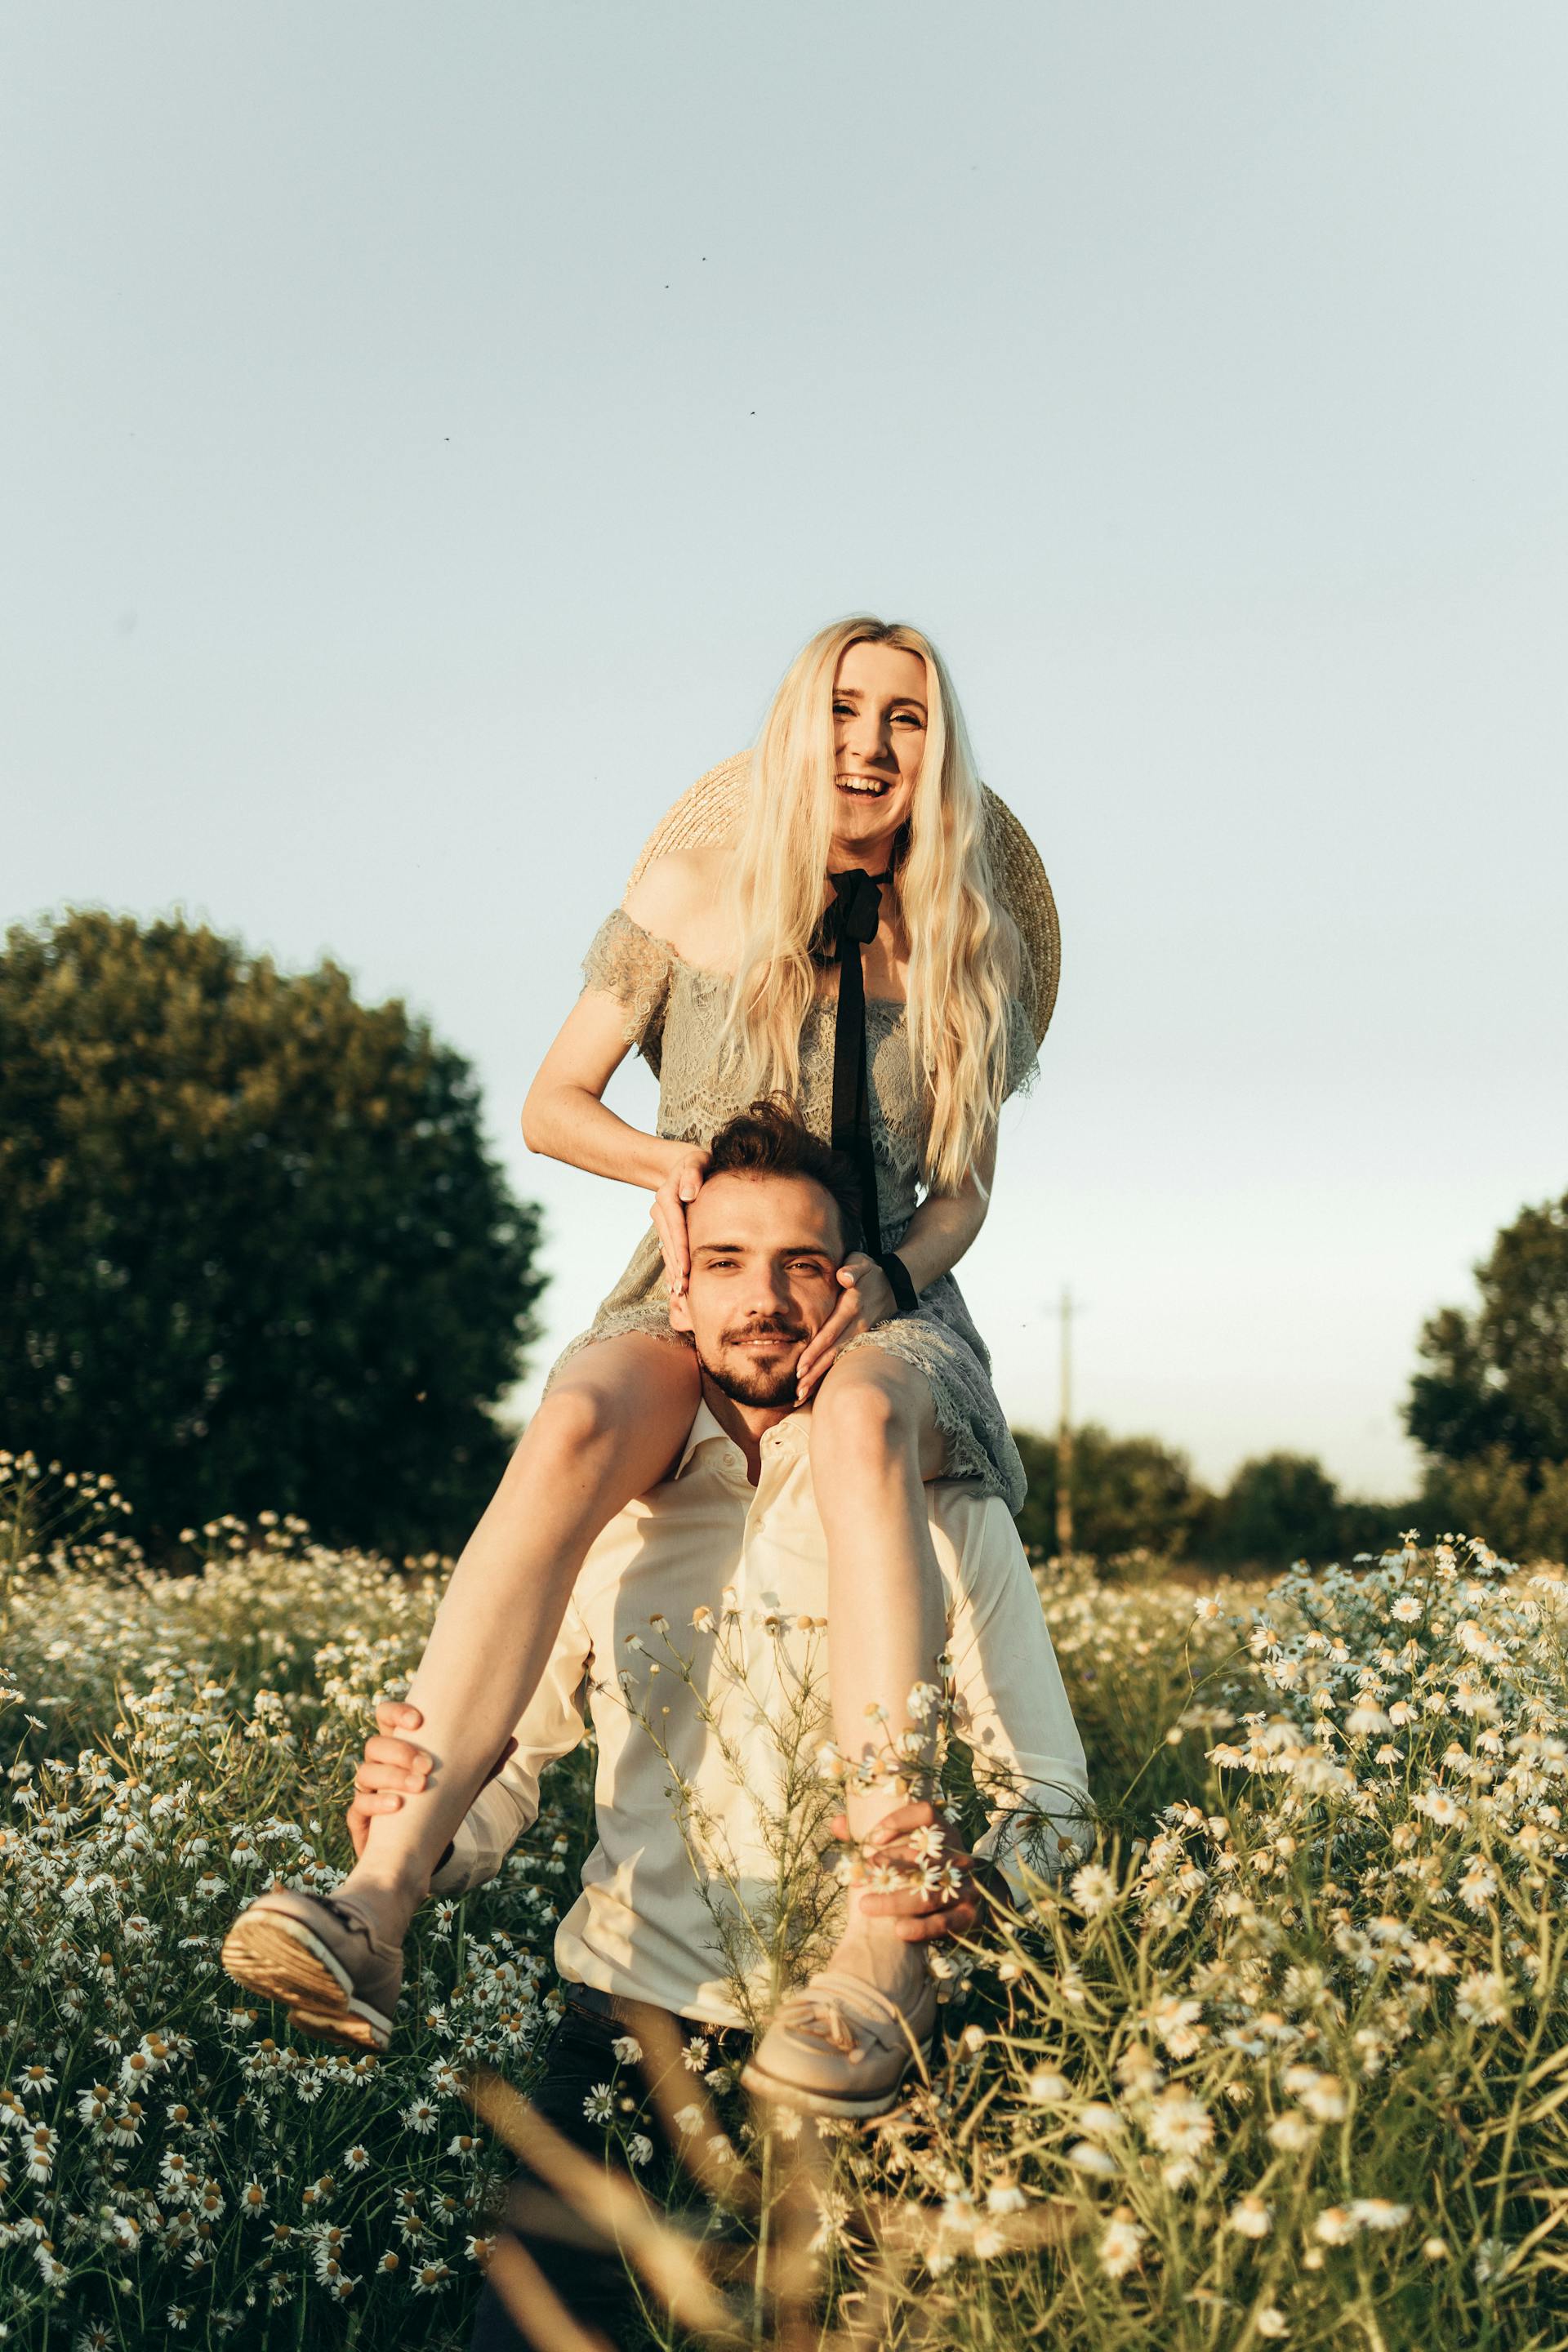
<point x="711" y="810"/>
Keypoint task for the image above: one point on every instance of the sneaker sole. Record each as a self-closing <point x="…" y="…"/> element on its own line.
<point x="283" y="1960"/>
<point x="823" y="2102"/>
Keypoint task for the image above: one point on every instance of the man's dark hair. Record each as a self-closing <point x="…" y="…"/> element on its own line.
<point x="769" y="1141"/>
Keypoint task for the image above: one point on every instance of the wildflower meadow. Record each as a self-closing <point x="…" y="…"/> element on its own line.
<point x="1279" y="2057"/>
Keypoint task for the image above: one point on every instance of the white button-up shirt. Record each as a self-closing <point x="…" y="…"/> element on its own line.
<point x="695" y="1643"/>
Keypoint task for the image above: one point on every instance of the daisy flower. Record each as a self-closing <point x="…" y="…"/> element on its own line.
<point x="1120" y="2247"/>
<point x="1251" y="2218"/>
<point x="1178" y="2124"/>
<point x="1093" y="1889"/>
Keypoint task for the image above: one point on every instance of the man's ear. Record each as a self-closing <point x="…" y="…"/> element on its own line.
<point x="680" y="1311"/>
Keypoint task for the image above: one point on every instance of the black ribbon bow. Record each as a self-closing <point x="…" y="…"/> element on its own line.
<point x="849" y="924"/>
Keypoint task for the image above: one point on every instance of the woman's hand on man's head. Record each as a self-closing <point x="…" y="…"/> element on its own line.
<point x="670" y="1203"/>
<point x="867" y="1301"/>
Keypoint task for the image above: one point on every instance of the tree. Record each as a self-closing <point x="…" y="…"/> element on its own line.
<point x="1520" y="1512"/>
<point x="1129" y="1493"/>
<point x="255" y="1254"/>
<point x="1491" y="1412"/>
<point x="1499" y="1375"/>
<point x="1277" y="1508"/>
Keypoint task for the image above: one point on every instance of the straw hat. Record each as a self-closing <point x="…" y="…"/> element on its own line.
<point x="711" y="810"/>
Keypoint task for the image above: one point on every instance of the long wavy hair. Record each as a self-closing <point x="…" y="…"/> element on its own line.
<point x="965" y="956"/>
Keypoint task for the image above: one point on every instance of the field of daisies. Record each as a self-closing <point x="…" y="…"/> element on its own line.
<point x="1281" y="2058"/>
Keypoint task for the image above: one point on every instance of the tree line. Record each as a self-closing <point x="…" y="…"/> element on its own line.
<point x="1137" y="1495"/>
<point x="255" y="1256"/>
<point x="1488" y="1408"/>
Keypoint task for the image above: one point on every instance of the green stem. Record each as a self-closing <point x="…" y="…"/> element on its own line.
<point x="764" y="2215"/>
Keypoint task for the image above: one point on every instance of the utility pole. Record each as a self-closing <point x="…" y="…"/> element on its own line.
<point x="1064" y="1433"/>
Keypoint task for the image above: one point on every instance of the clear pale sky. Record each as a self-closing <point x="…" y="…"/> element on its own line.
<point x="429" y="431"/>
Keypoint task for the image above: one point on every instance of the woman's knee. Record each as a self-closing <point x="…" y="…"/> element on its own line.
<point x="576" y="1421"/>
<point x="867" y="1417"/>
<point x="635" y="1400"/>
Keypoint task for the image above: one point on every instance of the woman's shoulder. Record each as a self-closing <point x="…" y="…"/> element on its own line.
<point x="679" y="899"/>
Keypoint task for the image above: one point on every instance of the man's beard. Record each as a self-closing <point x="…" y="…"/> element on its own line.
<point x="752" y="1382"/>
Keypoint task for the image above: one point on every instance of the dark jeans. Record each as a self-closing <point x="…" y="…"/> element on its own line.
<point x="593" y="2285"/>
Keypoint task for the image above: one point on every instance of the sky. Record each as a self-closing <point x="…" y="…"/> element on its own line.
<point x="426" y="435"/>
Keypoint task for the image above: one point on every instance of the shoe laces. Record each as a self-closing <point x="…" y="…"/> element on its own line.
<point x="827" y="2012"/>
<point x="822" y="2015"/>
<point x="352" y="1920"/>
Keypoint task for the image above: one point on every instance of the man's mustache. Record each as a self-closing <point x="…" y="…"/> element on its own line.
<point x="770" y="1328"/>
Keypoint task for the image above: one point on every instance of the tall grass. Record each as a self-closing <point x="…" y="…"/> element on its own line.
<point x="1281" y="2058"/>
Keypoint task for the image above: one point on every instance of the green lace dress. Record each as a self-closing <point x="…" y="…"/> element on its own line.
<point x="674" y="1014"/>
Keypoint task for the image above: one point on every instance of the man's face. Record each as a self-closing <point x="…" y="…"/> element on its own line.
<point x="765" y="1251"/>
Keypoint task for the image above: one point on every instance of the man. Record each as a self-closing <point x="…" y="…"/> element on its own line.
<point x="694" y="1643"/>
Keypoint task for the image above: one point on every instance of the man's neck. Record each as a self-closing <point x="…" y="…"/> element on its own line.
<point x="746" y="1424"/>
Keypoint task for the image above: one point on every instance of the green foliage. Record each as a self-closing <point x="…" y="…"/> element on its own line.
<point x="1499" y="1376"/>
<point x="1129" y="1495"/>
<point x="1152" y="1673"/>
<point x="1136" y="1506"/>
<point x="255" y="1252"/>
<point x="174" y="2166"/>
<point x="1286" y="2065"/>
<point x="1278" y="1508"/>
<point x="1527" y="1507"/>
<point x="1490" y="1410"/>
<point x="1299" y="2065"/>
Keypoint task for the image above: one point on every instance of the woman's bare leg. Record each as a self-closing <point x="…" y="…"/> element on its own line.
<point x="610" y="1428"/>
<point x="874" y="1442"/>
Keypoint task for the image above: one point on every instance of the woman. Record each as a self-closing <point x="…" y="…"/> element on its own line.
<point x="729" y="967"/>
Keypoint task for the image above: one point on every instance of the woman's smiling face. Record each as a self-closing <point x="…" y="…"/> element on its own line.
<point x="879" y="738"/>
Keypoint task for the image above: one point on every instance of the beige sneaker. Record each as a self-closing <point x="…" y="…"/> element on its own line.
<point x="839" y="2047"/>
<point x="323" y="1959"/>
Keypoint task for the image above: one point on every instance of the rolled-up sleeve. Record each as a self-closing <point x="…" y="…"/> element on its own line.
<point x="1013" y="1712"/>
<point x="549" y="1725"/>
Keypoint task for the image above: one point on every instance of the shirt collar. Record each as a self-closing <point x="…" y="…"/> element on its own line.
<point x="703" y="1429"/>
<point x="787" y="1436"/>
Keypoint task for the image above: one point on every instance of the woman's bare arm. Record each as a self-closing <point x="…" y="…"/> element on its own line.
<point x="565" y="1116"/>
<point x="946" y="1224"/>
<point x="938" y="1233"/>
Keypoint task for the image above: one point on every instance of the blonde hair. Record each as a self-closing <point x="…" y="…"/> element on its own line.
<point x="966" y="956"/>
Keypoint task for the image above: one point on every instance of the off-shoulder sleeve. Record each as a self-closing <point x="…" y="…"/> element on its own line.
<point x="1023" y="1057"/>
<point x="629" y="964"/>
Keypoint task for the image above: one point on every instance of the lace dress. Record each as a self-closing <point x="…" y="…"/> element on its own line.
<point x="674" y="1015"/>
